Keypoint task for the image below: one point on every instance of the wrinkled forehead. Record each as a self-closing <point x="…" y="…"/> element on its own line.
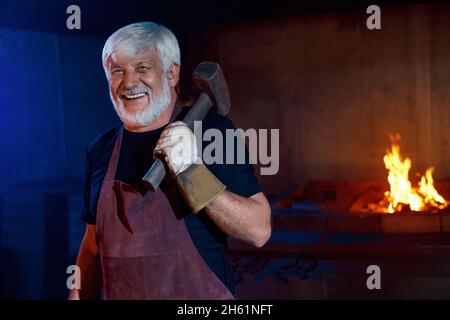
<point x="126" y="56"/>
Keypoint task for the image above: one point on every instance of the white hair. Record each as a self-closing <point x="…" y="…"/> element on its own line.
<point x="143" y="35"/>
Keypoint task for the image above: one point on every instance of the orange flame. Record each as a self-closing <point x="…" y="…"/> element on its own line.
<point x="401" y="191"/>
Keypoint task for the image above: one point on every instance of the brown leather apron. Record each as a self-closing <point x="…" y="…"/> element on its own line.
<point x="146" y="251"/>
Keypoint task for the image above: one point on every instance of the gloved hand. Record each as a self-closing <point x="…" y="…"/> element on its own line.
<point x="198" y="185"/>
<point x="178" y="146"/>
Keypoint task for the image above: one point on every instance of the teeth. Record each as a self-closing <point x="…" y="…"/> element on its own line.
<point x="134" y="96"/>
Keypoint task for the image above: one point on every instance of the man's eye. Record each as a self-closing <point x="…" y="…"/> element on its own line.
<point x="142" y="69"/>
<point x="116" y="71"/>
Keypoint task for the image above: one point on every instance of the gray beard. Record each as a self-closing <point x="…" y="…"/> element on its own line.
<point x="156" y="106"/>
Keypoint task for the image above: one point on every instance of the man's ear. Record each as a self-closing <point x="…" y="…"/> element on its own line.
<point x="174" y="75"/>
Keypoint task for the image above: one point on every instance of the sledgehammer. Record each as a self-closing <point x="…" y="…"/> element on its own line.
<point x="209" y="78"/>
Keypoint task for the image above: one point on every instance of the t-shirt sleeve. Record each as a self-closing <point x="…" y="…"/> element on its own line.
<point x="87" y="216"/>
<point x="238" y="176"/>
<point x="244" y="182"/>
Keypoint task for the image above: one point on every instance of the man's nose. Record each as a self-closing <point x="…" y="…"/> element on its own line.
<point x="131" y="79"/>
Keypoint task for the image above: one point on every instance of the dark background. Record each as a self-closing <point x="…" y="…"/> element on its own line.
<point x="309" y="68"/>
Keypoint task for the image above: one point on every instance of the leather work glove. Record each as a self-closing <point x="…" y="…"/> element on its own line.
<point x="178" y="146"/>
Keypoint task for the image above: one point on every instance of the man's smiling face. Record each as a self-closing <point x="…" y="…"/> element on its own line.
<point x="138" y="86"/>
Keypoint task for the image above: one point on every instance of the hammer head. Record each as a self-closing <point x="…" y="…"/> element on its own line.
<point x="209" y="78"/>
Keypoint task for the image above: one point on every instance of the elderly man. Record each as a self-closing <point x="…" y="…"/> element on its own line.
<point x="141" y="244"/>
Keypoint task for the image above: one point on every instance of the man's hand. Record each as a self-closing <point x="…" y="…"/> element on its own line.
<point x="198" y="185"/>
<point x="74" y="295"/>
<point x="178" y="147"/>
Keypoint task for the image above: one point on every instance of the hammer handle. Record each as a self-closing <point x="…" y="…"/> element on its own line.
<point x="154" y="175"/>
<point x="198" y="111"/>
<point x="157" y="171"/>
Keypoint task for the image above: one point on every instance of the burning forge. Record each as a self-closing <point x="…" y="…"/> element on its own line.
<point x="402" y="196"/>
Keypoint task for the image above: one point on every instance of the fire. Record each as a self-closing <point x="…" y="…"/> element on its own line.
<point x="426" y="188"/>
<point x="402" y="193"/>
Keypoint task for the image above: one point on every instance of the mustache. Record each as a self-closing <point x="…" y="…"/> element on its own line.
<point x="137" y="90"/>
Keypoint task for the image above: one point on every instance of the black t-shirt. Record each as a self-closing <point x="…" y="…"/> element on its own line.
<point x="136" y="157"/>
